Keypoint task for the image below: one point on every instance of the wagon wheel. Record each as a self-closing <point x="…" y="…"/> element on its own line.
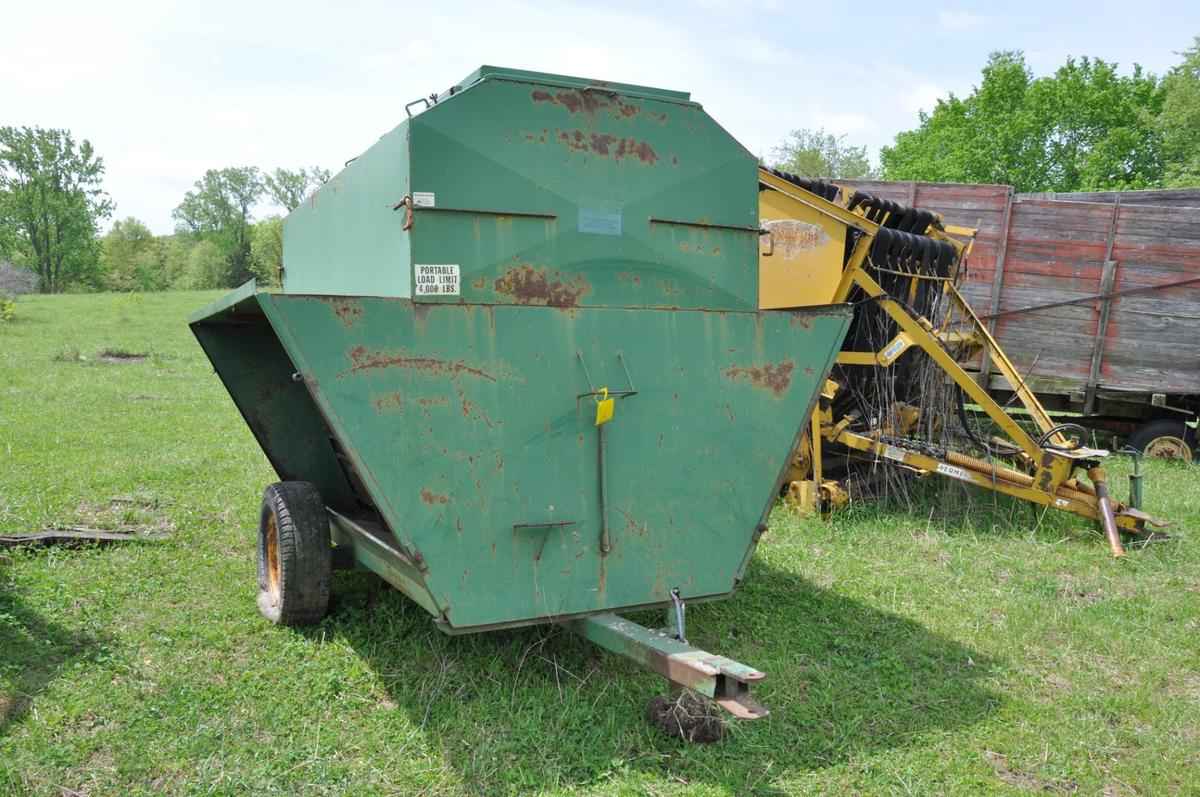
<point x="1163" y="439"/>
<point x="294" y="554"/>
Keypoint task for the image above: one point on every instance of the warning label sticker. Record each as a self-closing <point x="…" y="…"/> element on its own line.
<point x="893" y="453"/>
<point x="435" y="280"/>
<point x="950" y="470"/>
<point x="601" y="218"/>
<point x="894" y="349"/>
<point x="424" y="199"/>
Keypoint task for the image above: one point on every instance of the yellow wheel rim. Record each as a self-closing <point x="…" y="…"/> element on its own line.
<point x="272" y="556"/>
<point x="1168" y="447"/>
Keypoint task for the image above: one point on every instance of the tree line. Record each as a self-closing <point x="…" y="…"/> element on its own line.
<point x="1087" y="127"/>
<point x="52" y="205"/>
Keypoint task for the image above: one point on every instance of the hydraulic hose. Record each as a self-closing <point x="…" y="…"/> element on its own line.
<point x="987" y="447"/>
<point x="1044" y="440"/>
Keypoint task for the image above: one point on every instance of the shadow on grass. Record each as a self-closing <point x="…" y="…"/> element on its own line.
<point x="538" y="708"/>
<point x="33" y="650"/>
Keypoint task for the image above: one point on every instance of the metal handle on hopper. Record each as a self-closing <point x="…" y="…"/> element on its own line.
<point x="676" y="614"/>
<point x="414" y="102"/>
<point x="605" y="537"/>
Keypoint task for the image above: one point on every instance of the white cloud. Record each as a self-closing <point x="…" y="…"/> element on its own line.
<point x="958" y="21"/>
<point x="838" y="123"/>
<point x="922" y="97"/>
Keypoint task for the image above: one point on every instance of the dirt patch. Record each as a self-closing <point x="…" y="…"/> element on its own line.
<point x="121" y="356"/>
<point x="71" y="354"/>
<point x="1023" y="780"/>
<point x="689" y="718"/>
<point x="1182" y="685"/>
<point x="1071" y="589"/>
<point x="140" y="512"/>
<point x="1075" y="595"/>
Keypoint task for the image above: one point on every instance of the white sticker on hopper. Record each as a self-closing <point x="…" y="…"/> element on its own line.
<point x="436" y="280"/>
<point x="424" y="199"/>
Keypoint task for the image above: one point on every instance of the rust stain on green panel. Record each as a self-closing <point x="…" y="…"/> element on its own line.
<point x="527" y="285"/>
<point x="362" y="359"/>
<point x="772" y="377"/>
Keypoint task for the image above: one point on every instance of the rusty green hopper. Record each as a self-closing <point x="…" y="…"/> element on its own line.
<point x="459" y="298"/>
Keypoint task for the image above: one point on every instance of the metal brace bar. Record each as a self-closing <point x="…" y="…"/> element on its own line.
<point x="528" y="214"/>
<point x="718" y="678"/>
<point x="704" y="225"/>
<point x="1102" y="296"/>
<point x="1106" y="282"/>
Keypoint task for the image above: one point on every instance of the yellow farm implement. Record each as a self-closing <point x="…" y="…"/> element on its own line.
<point x="900" y="267"/>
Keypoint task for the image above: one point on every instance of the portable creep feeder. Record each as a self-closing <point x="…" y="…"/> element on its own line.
<point x="518" y="369"/>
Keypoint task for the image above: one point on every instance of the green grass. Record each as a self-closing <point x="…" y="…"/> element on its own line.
<point x="912" y="650"/>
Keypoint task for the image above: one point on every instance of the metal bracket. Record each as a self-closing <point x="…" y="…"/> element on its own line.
<point x="543" y="524"/>
<point x="675" y="615"/>
<point x="723" y="680"/>
<point x="605" y="536"/>
<point x="592" y="391"/>
<point x="414" y="102"/>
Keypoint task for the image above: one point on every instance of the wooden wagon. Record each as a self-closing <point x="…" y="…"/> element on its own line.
<point x="1096" y="298"/>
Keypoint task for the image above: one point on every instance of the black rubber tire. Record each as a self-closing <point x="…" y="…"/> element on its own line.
<point x="296" y="590"/>
<point x="1146" y="435"/>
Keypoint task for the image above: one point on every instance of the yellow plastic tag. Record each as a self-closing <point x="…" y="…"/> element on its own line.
<point x="604" y="408"/>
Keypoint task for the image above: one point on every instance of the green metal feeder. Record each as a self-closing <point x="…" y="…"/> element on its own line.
<point x="517" y="368"/>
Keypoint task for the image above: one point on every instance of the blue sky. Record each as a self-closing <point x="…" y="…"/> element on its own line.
<point x="166" y="90"/>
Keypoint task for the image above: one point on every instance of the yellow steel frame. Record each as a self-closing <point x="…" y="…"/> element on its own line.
<point x="1052" y="484"/>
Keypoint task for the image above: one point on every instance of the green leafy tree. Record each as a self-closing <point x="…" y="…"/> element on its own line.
<point x="1179" y="121"/>
<point x="987" y="137"/>
<point x="218" y="210"/>
<point x="1084" y="128"/>
<point x="129" y="258"/>
<point x="266" y="250"/>
<point x="207" y="266"/>
<point x="287" y="188"/>
<point x="1098" y="127"/>
<point x="51" y="203"/>
<point x="815" y="153"/>
<point x="174" y="259"/>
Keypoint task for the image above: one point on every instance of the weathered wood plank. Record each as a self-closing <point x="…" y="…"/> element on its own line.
<point x="994" y="299"/>
<point x="1185" y="197"/>
<point x="1105" y="308"/>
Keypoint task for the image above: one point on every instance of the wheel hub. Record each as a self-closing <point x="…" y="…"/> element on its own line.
<point x="1168" y="447"/>
<point x="272" y="557"/>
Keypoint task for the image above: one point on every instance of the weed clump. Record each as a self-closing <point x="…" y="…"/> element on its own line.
<point x="688" y="717"/>
<point x="8" y="308"/>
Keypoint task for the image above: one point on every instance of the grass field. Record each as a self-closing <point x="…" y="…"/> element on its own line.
<point x="923" y="650"/>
